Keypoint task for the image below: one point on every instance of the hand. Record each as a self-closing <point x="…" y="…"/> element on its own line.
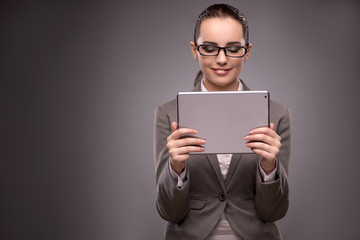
<point x="266" y="143"/>
<point x="179" y="148"/>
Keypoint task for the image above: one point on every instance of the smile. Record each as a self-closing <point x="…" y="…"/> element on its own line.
<point x="220" y="71"/>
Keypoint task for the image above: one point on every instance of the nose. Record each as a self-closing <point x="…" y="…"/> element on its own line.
<point x="221" y="58"/>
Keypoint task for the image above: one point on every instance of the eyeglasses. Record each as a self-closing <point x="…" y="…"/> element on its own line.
<point x="232" y="51"/>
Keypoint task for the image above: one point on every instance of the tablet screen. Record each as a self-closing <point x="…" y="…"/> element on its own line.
<point x="223" y="118"/>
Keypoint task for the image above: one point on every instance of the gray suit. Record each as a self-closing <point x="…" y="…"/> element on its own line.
<point x="250" y="205"/>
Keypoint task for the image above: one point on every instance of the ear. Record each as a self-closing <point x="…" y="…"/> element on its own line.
<point x="194" y="51"/>
<point x="247" y="55"/>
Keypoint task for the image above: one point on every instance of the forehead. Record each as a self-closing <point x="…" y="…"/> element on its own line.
<point x="221" y="30"/>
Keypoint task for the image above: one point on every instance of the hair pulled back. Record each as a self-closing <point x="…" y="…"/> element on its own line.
<point x="221" y="11"/>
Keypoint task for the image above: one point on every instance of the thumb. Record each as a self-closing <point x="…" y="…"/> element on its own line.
<point x="272" y="126"/>
<point x="173" y="126"/>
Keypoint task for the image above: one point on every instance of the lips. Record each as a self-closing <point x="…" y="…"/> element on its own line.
<point x="221" y="71"/>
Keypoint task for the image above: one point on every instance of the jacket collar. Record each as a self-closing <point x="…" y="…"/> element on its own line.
<point x="197" y="88"/>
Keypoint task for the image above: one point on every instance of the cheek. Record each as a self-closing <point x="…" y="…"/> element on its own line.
<point x="239" y="64"/>
<point x="203" y="63"/>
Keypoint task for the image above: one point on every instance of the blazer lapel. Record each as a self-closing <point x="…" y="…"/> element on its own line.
<point x="245" y="87"/>
<point x="233" y="165"/>
<point x="197" y="88"/>
<point x="215" y="164"/>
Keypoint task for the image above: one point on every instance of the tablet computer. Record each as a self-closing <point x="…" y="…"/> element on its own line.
<point x="223" y="118"/>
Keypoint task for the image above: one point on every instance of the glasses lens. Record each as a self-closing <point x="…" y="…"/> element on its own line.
<point x="235" y="51"/>
<point x="208" y="50"/>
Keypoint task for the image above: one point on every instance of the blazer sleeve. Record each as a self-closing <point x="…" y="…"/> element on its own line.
<point x="272" y="199"/>
<point x="172" y="202"/>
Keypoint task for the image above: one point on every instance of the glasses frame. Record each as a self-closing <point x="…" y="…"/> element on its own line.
<point x="220" y="48"/>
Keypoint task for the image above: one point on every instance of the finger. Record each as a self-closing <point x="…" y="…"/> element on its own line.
<point x="263" y="138"/>
<point x="180" y="132"/>
<point x="264" y="154"/>
<point x="185" y="142"/>
<point x="265" y="130"/>
<point x="258" y="146"/>
<point x="182" y="154"/>
<point x="272" y="126"/>
<point x="264" y="150"/>
<point x="180" y="158"/>
<point x="261" y="146"/>
<point x="267" y="151"/>
<point x="189" y="149"/>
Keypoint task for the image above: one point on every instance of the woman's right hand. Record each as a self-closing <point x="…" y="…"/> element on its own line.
<point x="179" y="148"/>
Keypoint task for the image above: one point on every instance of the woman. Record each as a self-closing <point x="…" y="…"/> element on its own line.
<point x="221" y="196"/>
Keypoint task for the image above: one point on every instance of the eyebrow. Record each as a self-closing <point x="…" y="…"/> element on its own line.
<point x="214" y="43"/>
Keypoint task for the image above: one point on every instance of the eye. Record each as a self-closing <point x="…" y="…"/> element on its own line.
<point x="209" y="48"/>
<point x="234" y="49"/>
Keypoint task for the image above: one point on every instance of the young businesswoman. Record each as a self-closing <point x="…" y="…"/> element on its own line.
<point x="221" y="196"/>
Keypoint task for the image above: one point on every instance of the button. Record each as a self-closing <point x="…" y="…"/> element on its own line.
<point x="222" y="197"/>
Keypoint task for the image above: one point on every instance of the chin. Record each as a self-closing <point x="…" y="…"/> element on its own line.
<point x="223" y="83"/>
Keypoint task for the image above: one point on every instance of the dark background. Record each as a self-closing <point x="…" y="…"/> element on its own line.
<point x="80" y="82"/>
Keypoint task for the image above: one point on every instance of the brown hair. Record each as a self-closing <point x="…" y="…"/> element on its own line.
<point x="222" y="11"/>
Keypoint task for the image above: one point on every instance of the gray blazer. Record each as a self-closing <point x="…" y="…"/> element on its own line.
<point x="250" y="205"/>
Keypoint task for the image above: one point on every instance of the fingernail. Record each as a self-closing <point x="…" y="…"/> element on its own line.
<point x="247" y="137"/>
<point x="202" y="141"/>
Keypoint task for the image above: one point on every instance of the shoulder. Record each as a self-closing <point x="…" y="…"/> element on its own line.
<point x="278" y="110"/>
<point x="166" y="111"/>
<point x="168" y="108"/>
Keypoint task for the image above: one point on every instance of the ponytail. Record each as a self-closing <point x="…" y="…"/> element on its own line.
<point x="198" y="78"/>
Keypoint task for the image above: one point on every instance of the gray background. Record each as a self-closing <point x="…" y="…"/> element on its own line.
<point x="79" y="84"/>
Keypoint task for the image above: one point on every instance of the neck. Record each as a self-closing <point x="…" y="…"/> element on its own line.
<point x="233" y="86"/>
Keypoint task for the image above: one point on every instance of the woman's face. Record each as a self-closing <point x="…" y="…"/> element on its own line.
<point x="220" y="72"/>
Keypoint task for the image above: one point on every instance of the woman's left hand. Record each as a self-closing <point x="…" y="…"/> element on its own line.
<point x="266" y="143"/>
